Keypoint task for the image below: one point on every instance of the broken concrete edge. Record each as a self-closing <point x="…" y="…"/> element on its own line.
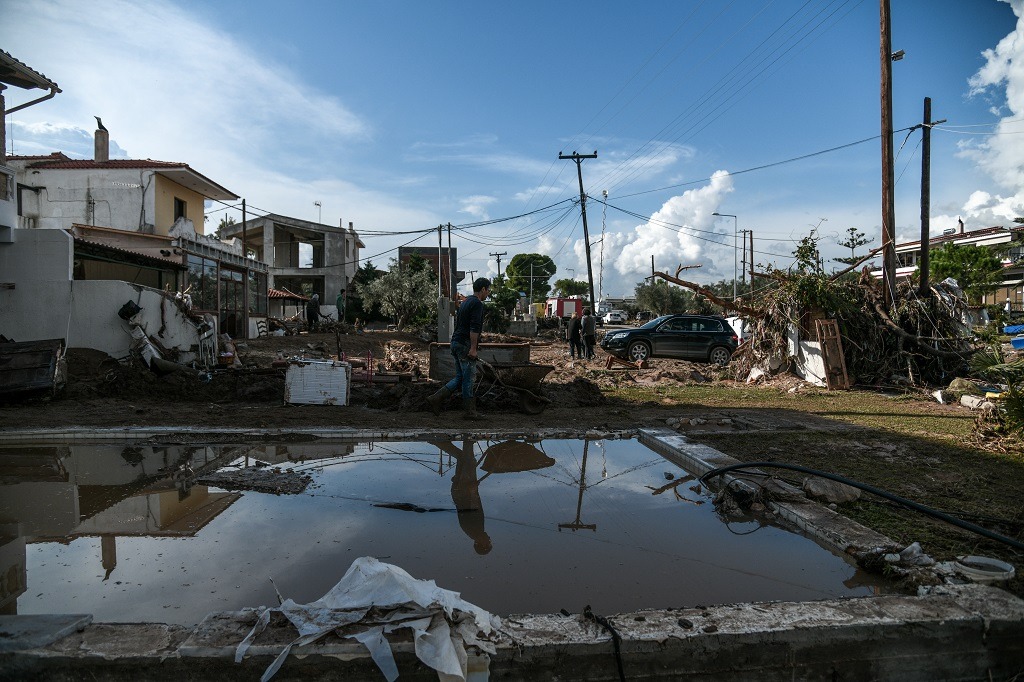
<point x="174" y="434"/>
<point x="970" y="628"/>
<point x="832" y="530"/>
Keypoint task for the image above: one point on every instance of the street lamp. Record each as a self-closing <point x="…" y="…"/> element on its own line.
<point x="735" y="246"/>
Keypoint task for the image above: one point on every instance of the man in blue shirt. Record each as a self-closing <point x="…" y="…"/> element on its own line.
<point x="469" y="323"/>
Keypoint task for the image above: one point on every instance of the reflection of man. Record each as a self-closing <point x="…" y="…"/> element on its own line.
<point x="466" y="496"/>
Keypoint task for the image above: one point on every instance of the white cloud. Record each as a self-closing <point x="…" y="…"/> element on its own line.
<point x="190" y="85"/>
<point x="686" y="245"/>
<point x="1001" y="156"/>
<point x="476" y="206"/>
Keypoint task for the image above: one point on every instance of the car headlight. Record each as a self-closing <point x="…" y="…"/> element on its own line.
<point x="618" y="335"/>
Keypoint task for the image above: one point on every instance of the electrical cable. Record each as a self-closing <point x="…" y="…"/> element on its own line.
<point x="910" y="504"/>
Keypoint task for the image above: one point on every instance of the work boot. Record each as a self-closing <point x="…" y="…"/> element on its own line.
<point x="438" y="399"/>
<point x="469" y="405"/>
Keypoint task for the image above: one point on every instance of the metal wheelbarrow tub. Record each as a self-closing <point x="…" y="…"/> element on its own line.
<point x="523" y="378"/>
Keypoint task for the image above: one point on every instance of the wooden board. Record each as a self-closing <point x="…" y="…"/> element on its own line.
<point x="836" y="377"/>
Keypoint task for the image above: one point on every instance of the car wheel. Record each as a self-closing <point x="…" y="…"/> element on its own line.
<point x="719" y="355"/>
<point x="638" y="351"/>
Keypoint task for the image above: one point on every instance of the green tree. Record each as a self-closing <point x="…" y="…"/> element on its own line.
<point x="662" y="298"/>
<point x="808" y="257"/>
<point x="854" y="241"/>
<point x="572" y="287"/>
<point x="400" y="293"/>
<point x="977" y="269"/>
<point x="357" y="307"/>
<point x="519" y="271"/>
<point x="224" y="224"/>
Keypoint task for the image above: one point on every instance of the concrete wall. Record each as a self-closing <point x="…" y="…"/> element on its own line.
<point x="118" y="196"/>
<point x="164" y="194"/>
<point x="47" y="304"/>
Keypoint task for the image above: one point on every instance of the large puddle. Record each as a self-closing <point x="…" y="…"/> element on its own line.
<point x="131" y="534"/>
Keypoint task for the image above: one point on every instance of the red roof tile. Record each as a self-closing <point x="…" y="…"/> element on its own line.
<point x="76" y="164"/>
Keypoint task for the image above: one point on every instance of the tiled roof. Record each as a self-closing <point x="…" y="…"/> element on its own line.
<point x="19" y="73"/>
<point x="284" y="293"/>
<point x="75" y="164"/>
<point x="55" y="156"/>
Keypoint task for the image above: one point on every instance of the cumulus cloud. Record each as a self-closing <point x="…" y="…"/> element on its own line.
<point x="688" y="244"/>
<point x="476" y="206"/>
<point x="1001" y="156"/>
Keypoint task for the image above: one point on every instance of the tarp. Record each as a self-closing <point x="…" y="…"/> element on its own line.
<point x="1014" y="329"/>
<point x="374" y="599"/>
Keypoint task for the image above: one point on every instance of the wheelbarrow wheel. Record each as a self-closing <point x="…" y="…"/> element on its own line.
<point x="530" y="404"/>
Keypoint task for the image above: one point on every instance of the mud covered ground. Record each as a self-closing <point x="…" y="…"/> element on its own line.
<point x="102" y="392"/>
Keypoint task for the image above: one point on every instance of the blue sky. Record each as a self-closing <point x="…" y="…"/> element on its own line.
<point x="398" y="116"/>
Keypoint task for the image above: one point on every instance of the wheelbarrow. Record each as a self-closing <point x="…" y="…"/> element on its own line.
<point x="522" y="378"/>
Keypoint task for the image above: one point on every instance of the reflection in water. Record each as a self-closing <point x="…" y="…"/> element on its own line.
<point x="504" y="457"/>
<point x="127" y="534"/>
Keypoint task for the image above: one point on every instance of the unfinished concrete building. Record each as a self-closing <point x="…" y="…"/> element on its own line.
<point x="305" y="257"/>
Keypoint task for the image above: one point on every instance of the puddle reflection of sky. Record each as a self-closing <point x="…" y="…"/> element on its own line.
<point x="543" y="526"/>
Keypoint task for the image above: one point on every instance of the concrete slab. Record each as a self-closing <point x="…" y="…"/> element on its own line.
<point x="32" y="632"/>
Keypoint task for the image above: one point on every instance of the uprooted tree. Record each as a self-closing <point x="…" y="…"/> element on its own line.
<point x="917" y="340"/>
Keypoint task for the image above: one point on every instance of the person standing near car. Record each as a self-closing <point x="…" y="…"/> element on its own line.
<point x="589" y="333"/>
<point x="469" y="323"/>
<point x="574" y="334"/>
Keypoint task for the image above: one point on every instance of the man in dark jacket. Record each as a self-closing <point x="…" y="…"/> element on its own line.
<point x="313" y="312"/>
<point x="589" y="325"/>
<point x="469" y="323"/>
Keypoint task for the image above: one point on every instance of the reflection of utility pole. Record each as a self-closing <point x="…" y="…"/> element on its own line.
<point x="578" y="524"/>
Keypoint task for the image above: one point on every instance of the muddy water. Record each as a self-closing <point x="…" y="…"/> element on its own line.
<point x="132" y="534"/>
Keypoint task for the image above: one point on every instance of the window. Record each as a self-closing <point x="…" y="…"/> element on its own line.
<point x="257" y="293"/>
<point x="202" y="282"/>
<point x="180" y="208"/>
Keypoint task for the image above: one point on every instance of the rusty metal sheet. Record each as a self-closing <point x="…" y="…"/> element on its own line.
<point x="32" y="369"/>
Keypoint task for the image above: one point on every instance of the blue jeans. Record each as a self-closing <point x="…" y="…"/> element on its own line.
<point x="464" y="371"/>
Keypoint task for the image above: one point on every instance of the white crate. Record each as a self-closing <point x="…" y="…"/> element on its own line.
<point x="318" y="382"/>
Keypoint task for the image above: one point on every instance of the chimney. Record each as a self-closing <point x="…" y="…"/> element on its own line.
<point x="960" y="222"/>
<point x="102" y="142"/>
<point x="102" y="147"/>
<point x="350" y="229"/>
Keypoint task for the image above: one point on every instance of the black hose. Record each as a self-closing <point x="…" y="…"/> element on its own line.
<point x="910" y="504"/>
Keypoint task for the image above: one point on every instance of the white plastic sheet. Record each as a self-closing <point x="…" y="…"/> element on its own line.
<point x="374" y="599"/>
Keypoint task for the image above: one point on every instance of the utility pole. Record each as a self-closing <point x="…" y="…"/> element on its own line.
<point x="451" y="275"/>
<point x="578" y="158"/>
<point x="888" y="199"/>
<point x="439" y="235"/>
<point x="498" y="257"/>
<point x="751" y="264"/>
<point x="926" y="192"/>
<point x="600" y="268"/>
<point x="243" y="229"/>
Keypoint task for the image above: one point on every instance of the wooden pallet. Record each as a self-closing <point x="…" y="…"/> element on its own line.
<point x="836" y="377"/>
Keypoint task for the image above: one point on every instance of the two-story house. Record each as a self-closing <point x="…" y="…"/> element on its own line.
<point x="127" y="228"/>
<point x="1008" y="240"/>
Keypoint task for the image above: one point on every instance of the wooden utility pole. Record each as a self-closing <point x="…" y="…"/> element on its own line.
<point x="926" y="193"/>
<point x="578" y="158"/>
<point x="751" y="233"/>
<point x="888" y="200"/>
<point x="498" y="256"/>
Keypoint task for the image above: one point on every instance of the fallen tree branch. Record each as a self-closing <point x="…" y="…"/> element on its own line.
<point x="870" y="254"/>
<point x="708" y="295"/>
<point x="921" y="341"/>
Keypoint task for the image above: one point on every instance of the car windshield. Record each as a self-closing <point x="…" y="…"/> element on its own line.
<point x="655" y="322"/>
